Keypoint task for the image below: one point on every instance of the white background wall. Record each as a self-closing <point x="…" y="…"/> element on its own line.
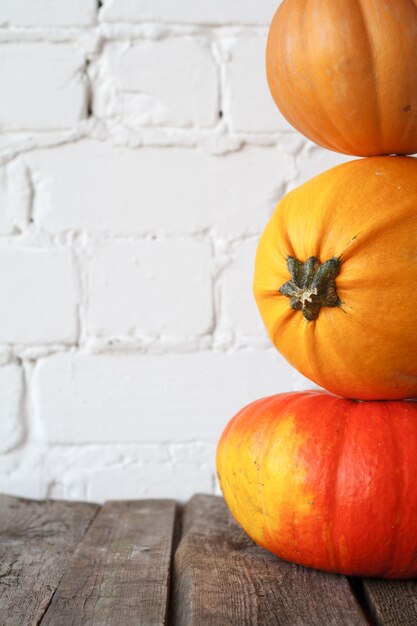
<point x="140" y="158"/>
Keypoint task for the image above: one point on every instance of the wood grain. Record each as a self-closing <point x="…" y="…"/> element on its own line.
<point x="221" y="577"/>
<point x="120" y="572"/>
<point x="36" y="542"/>
<point x="392" y="602"/>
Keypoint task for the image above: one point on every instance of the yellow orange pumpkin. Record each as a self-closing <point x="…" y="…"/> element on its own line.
<point x="336" y="278"/>
<point x="345" y="73"/>
<point x="326" y="482"/>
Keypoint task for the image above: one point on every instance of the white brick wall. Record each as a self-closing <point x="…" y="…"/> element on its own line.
<point x="95" y="186"/>
<point x="170" y="82"/>
<point x="47" y="12"/>
<point x="140" y="288"/>
<point x="15" y="197"/>
<point x="39" y="289"/>
<point x="11" y="393"/>
<point x="140" y="158"/>
<point x="146" y="398"/>
<point x="238" y="314"/>
<point x="46" y="88"/>
<point x="184" y="12"/>
<point x="251" y="108"/>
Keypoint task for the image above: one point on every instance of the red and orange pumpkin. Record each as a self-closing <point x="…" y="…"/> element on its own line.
<point x="345" y="73"/>
<point x="326" y="482"/>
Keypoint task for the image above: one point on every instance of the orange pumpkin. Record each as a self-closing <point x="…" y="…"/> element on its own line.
<point x="326" y="482"/>
<point x="336" y="278"/>
<point x="345" y="73"/>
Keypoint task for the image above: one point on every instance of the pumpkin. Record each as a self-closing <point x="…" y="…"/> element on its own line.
<point x="336" y="278"/>
<point x="345" y="73"/>
<point x="326" y="482"/>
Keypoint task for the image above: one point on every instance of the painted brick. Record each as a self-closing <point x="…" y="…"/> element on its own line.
<point x="22" y="473"/>
<point x="182" y="11"/>
<point x="238" y="311"/>
<point x="143" y="481"/>
<point x="11" y="389"/>
<point x="6" y="212"/>
<point x="67" y="469"/>
<point x="194" y="453"/>
<point x="39" y="293"/>
<point x="47" y="12"/>
<point x="67" y="460"/>
<point x="150" y="287"/>
<point x="97" y="187"/>
<point x="45" y="86"/>
<point x="171" y="82"/>
<point x="15" y="197"/>
<point x="99" y="472"/>
<point x="147" y="398"/>
<point x="251" y="106"/>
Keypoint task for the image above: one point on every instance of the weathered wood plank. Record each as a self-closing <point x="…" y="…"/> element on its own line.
<point x="36" y="542"/>
<point x="222" y="577"/>
<point x="120" y="572"/>
<point x="391" y="602"/>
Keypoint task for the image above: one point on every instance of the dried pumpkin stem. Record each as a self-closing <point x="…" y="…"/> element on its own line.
<point x="312" y="285"/>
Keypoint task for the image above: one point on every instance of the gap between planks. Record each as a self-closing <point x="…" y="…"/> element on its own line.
<point x="37" y="539"/>
<point x="221" y="577"/>
<point x="120" y="572"/>
<point x="124" y="572"/>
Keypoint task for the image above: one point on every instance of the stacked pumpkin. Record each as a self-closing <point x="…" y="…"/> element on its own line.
<point x="325" y="481"/>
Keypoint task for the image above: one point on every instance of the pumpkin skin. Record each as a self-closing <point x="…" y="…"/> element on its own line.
<point x="344" y="73"/>
<point x="326" y="482"/>
<point x="363" y="213"/>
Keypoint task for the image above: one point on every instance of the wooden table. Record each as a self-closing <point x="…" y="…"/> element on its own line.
<point x="150" y="562"/>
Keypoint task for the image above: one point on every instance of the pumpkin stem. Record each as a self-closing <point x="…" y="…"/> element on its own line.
<point x="312" y="285"/>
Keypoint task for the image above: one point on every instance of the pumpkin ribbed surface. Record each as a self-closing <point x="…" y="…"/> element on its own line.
<point x="357" y="225"/>
<point x="344" y="73"/>
<point x="326" y="482"/>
